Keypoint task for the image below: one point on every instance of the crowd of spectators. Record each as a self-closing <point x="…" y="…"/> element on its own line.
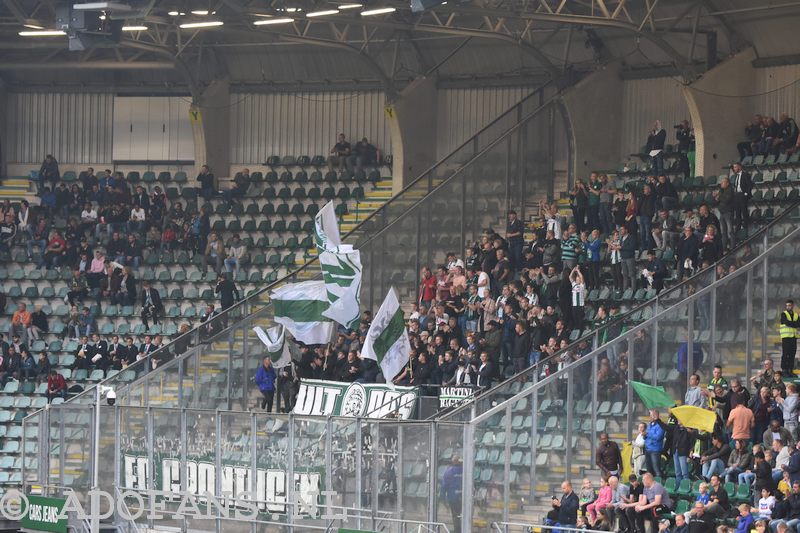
<point x="753" y="450"/>
<point x="766" y="136"/>
<point x="108" y="227"/>
<point x="518" y="296"/>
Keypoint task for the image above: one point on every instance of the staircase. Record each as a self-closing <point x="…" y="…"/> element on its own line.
<point x="17" y="189"/>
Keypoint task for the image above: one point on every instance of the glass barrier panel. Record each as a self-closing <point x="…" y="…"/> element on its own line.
<point x="450" y="454"/>
<point x="344" y="437"/>
<point x="135" y="468"/>
<point x="202" y="438"/>
<point x="272" y="475"/>
<point x="671" y="347"/>
<point x="416" y="463"/>
<point x="236" y="449"/>
<point x="167" y="443"/>
<point x="310" y="455"/>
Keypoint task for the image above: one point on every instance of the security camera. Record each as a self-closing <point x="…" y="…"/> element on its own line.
<point x="111" y="397"/>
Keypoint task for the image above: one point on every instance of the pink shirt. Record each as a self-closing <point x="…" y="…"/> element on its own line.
<point x="98" y="265"/>
<point x="603" y="497"/>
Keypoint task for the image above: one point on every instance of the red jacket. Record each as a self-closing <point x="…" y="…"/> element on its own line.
<point x="56" y="383"/>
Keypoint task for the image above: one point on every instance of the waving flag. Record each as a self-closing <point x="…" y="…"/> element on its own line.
<point x="387" y="339"/>
<point x="326" y="228"/>
<point x="652" y="397"/>
<point x="341" y="271"/>
<point x="299" y="307"/>
<point x="275" y="341"/>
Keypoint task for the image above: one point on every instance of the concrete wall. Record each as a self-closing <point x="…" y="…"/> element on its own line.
<point x="210" y="120"/>
<point x="412" y="123"/>
<point x="719" y="120"/>
<point x="594" y="109"/>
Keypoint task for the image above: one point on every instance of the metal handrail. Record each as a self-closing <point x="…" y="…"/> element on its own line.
<point x="533" y="527"/>
<point x="621" y="319"/>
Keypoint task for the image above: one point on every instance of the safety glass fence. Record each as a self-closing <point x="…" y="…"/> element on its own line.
<point x="523" y="447"/>
<point x="629" y="315"/>
<point x="301" y="472"/>
<point x="387" y="471"/>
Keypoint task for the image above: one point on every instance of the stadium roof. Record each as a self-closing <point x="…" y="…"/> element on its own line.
<point x="464" y="42"/>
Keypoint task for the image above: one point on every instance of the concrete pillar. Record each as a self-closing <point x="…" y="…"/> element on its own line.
<point x="719" y="121"/>
<point x="412" y="124"/>
<point x="210" y="118"/>
<point x="594" y="110"/>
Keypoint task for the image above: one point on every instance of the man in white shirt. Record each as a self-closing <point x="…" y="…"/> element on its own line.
<point x="483" y="284"/>
<point x="88" y="217"/>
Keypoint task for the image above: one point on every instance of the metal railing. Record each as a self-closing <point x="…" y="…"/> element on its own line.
<point x="514" y="451"/>
<point x="750" y="247"/>
<point x="557" y="417"/>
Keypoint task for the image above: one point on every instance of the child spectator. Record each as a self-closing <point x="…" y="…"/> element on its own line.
<point x="586" y="495"/>
<point x="766" y="504"/>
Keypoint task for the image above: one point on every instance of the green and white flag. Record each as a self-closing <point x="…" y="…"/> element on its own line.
<point x="326" y="229"/>
<point x="341" y="271"/>
<point x="387" y="339"/>
<point x="277" y="347"/>
<point x="299" y="307"/>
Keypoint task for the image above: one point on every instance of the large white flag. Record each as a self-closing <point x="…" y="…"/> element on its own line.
<point x="277" y="347"/>
<point x="387" y="339"/>
<point x="326" y="228"/>
<point x="299" y="307"/>
<point x="341" y="271"/>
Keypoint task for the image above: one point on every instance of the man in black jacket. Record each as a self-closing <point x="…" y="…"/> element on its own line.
<point x="792" y="507"/>
<point x="646" y="212"/>
<point x="228" y="295"/>
<point x="485" y="371"/>
<point x="742" y="190"/>
<point x="520" y="346"/>
<point x="565" y="511"/>
<point x="687" y="253"/>
<point x="151" y="304"/>
<point x="700" y="521"/>
<point x="719" y="501"/>
<point x="628" y="258"/>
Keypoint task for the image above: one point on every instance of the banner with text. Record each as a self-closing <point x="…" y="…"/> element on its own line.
<point x="200" y="476"/>
<point x="42" y="514"/>
<point x="451" y="396"/>
<point x="370" y="400"/>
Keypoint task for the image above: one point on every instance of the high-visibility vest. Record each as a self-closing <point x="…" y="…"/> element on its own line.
<point x="788" y="332"/>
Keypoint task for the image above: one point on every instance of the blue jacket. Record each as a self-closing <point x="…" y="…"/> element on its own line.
<point x="265" y="379"/>
<point x="594" y="250"/>
<point x="452" y="480"/>
<point x="745" y="523"/>
<point x="654" y="442"/>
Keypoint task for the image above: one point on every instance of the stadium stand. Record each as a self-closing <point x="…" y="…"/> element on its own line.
<point x="274" y="227"/>
<point x="574" y="314"/>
